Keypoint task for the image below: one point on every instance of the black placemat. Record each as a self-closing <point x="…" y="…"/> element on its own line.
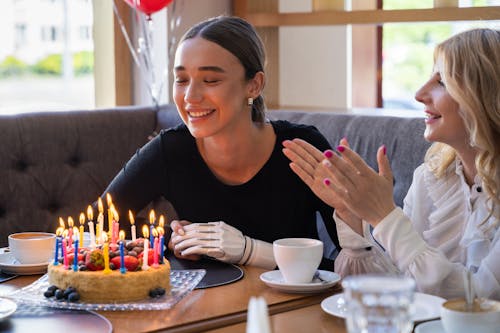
<point x="218" y="273"/>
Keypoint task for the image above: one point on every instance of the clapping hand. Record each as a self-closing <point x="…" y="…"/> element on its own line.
<point x="363" y="191"/>
<point x="306" y="162"/>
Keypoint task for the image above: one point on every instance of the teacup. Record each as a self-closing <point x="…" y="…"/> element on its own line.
<point x="482" y="317"/>
<point x="32" y="247"/>
<point x="298" y="258"/>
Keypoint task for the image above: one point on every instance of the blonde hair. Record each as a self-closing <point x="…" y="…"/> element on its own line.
<point x="471" y="72"/>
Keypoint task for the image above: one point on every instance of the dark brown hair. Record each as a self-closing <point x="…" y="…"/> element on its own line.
<point x="240" y="38"/>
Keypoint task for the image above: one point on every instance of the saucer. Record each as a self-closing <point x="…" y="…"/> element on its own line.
<point x="7" y="307"/>
<point x="9" y="265"/>
<point x="275" y="280"/>
<point x="426" y="306"/>
<point x="434" y="326"/>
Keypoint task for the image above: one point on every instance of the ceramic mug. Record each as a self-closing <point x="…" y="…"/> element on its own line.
<point x="482" y="317"/>
<point x="32" y="247"/>
<point x="298" y="258"/>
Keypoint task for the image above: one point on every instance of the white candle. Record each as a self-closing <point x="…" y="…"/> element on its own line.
<point x="92" y="234"/>
<point x="145" y="265"/>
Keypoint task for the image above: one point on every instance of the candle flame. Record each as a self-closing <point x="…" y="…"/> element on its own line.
<point x="121" y="235"/>
<point x="161" y="222"/>
<point x="82" y="218"/>
<point x="131" y="217"/>
<point x="65" y="233"/>
<point x="161" y="231"/>
<point x="90" y="213"/>
<point x="70" y="222"/>
<point x="152" y="216"/>
<point x="155" y="233"/>
<point x="116" y="217"/>
<point x="109" y="201"/>
<point x="145" y="231"/>
<point x="60" y="231"/>
<point x="100" y="206"/>
<point x="76" y="232"/>
<point x="61" y="223"/>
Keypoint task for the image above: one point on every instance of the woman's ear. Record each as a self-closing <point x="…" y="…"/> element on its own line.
<point x="256" y="85"/>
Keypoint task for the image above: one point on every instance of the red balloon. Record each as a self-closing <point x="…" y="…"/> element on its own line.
<point x="148" y="7"/>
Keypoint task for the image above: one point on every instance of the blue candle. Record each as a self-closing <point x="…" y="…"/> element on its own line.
<point x="151" y="237"/>
<point x="122" y="258"/>
<point x="56" y="256"/>
<point x="75" y="258"/>
<point x="162" y="244"/>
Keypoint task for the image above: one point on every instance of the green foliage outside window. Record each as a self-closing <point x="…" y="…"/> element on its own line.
<point x="83" y="63"/>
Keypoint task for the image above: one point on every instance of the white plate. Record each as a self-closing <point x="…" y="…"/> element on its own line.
<point x="426" y="306"/>
<point x="9" y="265"/>
<point x="7" y="307"/>
<point x="275" y="280"/>
<point x="434" y="326"/>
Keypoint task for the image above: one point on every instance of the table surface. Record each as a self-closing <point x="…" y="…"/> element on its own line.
<point x="222" y="309"/>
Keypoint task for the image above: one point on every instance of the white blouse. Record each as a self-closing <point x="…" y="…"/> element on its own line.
<point x="437" y="234"/>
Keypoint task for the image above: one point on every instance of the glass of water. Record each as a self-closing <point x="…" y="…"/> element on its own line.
<point x="378" y="303"/>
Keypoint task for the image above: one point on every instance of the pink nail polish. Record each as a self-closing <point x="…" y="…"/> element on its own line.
<point x="384" y="149"/>
<point x="326" y="181"/>
<point x="341" y="148"/>
<point x="328" y="153"/>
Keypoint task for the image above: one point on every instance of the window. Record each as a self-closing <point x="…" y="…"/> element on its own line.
<point x="408" y="48"/>
<point x="38" y="38"/>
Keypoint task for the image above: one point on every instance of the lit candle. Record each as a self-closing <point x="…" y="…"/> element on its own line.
<point x="110" y="213"/>
<point x="156" y="249"/>
<point x="105" y="253"/>
<point x="116" y="225"/>
<point x="152" y="218"/>
<point x="145" y="232"/>
<point x="90" y="216"/>
<point x="65" y="251"/>
<point x="75" y="258"/>
<point x="70" y="231"/>
<point x="162" y="243"/>
<point x="59" y="232"/>
<point x="100" y="220"/>
<point x="132" y="225"/>
<point x="82" y="221"/>
<point x="122" y="252"/>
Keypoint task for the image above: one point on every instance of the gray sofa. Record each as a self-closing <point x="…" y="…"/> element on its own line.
<point x="54" y="164"/>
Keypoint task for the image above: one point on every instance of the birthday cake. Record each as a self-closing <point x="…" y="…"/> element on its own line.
<point x="95" y="281"/>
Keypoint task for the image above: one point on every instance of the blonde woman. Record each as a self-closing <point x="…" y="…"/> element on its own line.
<point x="450" y="219"/>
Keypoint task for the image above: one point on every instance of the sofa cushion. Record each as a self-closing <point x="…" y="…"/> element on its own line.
<point x="54" y="164"/>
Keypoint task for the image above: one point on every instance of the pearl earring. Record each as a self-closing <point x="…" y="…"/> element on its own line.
<point x="250" y="101"/>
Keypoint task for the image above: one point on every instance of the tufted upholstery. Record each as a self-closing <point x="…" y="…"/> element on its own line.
<point x="54" y="164"/>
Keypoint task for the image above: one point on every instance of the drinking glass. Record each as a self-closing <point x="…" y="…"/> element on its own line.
<point x="377" y="304"/>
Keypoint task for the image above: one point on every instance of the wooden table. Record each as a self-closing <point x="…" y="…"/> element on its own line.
<point x="219" y="307"/>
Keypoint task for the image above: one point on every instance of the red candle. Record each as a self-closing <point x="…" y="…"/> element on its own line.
<point x="65" y="253"/>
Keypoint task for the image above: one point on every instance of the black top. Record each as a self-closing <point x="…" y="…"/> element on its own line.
<point x="274" y="204"/>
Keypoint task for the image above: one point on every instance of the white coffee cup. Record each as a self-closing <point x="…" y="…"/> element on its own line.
<point x="482" y="317"/>
<point x="298" y="258"/>
<point x="32" y="247"/>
